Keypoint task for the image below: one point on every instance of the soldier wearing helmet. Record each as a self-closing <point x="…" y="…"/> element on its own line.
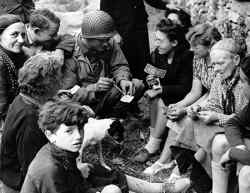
<point x="102" y="70"/>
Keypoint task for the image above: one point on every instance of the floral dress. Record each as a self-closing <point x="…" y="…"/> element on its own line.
<point x="203" y="71"/>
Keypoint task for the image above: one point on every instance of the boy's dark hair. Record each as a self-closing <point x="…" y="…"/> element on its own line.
<point x="184" y="17"/>
<point x="40" y="18"/>
<point x="203" y="34"/>
<point x="57" y="112"/>
<point x="172" y="31"/>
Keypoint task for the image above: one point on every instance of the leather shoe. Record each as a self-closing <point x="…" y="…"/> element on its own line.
<point x="143" y="155"/>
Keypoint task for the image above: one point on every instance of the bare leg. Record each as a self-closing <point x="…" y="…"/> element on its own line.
<point x="219" y="174"/>
<point x="166" y="152"/>
<point x="142" y="186"/>
<point x="153" y="112"/>
<point x="157" y="126"/>
<point x="244" y="179"/>
<point x="161" y="120"/>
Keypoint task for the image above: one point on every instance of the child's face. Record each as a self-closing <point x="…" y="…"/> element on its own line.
<point x="67" y="138"/>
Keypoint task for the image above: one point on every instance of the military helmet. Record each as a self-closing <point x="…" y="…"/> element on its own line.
<point x="97" y="24"/>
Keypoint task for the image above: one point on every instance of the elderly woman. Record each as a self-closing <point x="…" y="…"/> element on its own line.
<point x="226" y="97"/>
<point x="202" y="37"/>
<point x="234" y="146"/>
<point x="12" y="35"/>
<point x="171" y="74"/>
<point x="39" y="80"/>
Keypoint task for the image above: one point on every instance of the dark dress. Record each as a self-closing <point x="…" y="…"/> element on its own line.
<point x="131" y="20"/>
<point x="9" y="66"/>
<point x="21" y="140"/>
<point x="179" y="74"/>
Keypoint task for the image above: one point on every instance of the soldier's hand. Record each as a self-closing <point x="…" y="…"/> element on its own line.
<point x="127" y="87"/>
<point x="104" y="84"/>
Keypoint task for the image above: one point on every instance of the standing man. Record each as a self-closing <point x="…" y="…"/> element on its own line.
<point x="131" y="21"/>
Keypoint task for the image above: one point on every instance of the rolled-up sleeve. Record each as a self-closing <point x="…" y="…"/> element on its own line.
<point x="67" y="44"/>
<point x="119" y="64"/>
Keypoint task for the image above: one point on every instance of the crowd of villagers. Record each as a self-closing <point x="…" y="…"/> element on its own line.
<point x="196" y="82"/>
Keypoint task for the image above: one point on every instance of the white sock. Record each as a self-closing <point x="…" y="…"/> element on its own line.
<point x="220" y="178"/>
<point x="153" y="144"/>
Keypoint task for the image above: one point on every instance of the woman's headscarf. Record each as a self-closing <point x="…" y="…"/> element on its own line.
<point x="7" y="19"/>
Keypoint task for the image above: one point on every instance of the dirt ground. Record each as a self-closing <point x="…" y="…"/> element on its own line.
<point x="120" y="156"/>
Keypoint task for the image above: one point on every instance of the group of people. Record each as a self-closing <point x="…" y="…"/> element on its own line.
<point x="196" y="82"/>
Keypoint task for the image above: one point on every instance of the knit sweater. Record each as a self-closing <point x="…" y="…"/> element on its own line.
<point x="9" y="66"/>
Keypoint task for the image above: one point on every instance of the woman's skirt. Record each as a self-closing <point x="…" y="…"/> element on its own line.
<point x="193" y="135"/>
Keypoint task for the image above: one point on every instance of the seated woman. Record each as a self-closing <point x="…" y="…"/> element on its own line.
<point x="234" y="146"/>
<point x="202" y="37"/>
<point x="226" y="97"/>
<point x="39" y="80"/>
<point x="55" y="169"/>
<point x="172" y="68"/>
<point x="12" y="36"/>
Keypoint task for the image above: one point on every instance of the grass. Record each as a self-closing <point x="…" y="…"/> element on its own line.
<point x="120" y="156"/>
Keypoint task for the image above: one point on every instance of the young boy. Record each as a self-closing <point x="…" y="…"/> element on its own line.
<point x="55" y="169"/>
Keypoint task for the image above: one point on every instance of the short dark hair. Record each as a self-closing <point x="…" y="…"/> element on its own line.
<point x="57" y="112"/>
<point x="203" y="34"/>
<point x="41" y="17"/>
<point x="173" y="31"/>
<point x="184" y="17"/>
